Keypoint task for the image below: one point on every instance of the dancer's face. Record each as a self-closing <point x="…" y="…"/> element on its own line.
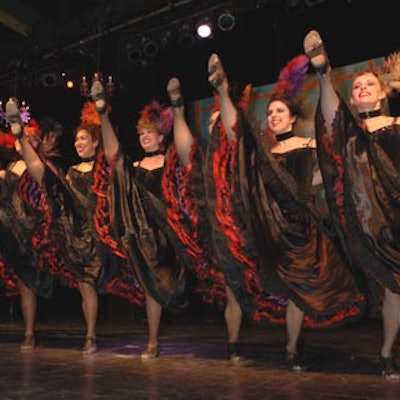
<point x="367" y="92"/>
<point x="150" y="139"/>
<point x="85" y="145"/>
<point x="279" y="117"/>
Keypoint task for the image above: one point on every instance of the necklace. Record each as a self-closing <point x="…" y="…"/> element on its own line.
<point x="88" y="159"/>
<point x="152" y="153"/>
<point x="284" y="136"/>
<point x="370" y="114"/>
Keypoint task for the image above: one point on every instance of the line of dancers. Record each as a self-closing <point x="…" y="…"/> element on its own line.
<point x="236" y="211"/>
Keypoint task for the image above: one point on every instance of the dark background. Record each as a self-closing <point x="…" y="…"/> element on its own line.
<point x="266" y="35"/>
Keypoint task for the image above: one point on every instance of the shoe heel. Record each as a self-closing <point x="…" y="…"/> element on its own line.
<point x="90" y="346"/>
<point x="152" y="351"/>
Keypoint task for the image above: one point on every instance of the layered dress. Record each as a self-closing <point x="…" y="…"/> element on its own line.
<point x="228" y="190"/>
<point x="28" y="247"/>
<point x="139" y="219"/>
<point x="270" y="239"/>
<point x="361" y="171"/>
<point x="81" y="225"/>
<point x="303" y="249"/>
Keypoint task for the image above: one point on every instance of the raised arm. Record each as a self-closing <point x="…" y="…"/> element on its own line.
<point x="329" y="99"/>
<point x="110" y="140"/>
<point x="33" y="162"/>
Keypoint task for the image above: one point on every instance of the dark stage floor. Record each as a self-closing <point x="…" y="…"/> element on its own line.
<point x="343" y="363"/>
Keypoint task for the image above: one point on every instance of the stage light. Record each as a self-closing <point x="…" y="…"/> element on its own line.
<point x="69" y="84"/>
<point x="134" y="53"/>
<point x="186" y="37"/>
<point x="226" y="21"/>
<point x="149" y="47"/>
<point x="49" y="80"/>
<point x="204" y="29"/>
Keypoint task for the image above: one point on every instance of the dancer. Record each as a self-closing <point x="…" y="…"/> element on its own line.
<point x="23" y="247"/>
<point x="303" y="252"/>
<point x="139" y="213"/>
<point x="206" y="264"/>
<point x="225" y="228"/>
<point x="359" y="161"/>
<point x="71" y="212"/>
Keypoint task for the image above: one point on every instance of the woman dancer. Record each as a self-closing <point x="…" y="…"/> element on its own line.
<point x="223" y="205"/>
<point x="139" y="212"/>
<point x="80" y="210"/>
<point x="27" y="254"/>
<point x="303" y="252"/>
<point x="359" y="161"/>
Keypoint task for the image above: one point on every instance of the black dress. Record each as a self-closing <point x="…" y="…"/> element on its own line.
<point x="140" y="223"/>
<point x="362" y="175"/>
<point x="27" y="248"/>
<point x="303" y="251"/>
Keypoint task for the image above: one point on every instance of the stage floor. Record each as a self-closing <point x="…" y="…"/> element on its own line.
<point x="193" y="364"/>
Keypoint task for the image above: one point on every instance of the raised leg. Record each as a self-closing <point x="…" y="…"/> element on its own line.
<point x="314" y="49"/>
<point x="14" y="118"/>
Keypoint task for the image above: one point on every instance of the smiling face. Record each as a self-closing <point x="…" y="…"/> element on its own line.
<point x="279" y="117"/>
<point x="367" y="92"/>
<point x="85" y="145"/>
<point x="150" y="138"/>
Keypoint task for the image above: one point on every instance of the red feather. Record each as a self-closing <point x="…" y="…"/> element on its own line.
<point x="291" y="76"/>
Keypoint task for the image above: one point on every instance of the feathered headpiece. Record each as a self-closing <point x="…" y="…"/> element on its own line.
<point x="291" y="77"/>
<point x="7" y="140"/>
<point x="89" y="114"/>
<point x="33" y="128"/>
<point x="156" y="116"/>
<point x="389" y="72"/>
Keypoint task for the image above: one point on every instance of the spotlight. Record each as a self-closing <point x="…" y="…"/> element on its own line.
<point x="204" y="29"/>
<point x="134" y="53"/>
<point x="226" y="21"/>
<point x="149" y="47"/>
<point x="49" y="80"/>
<point x="186" y="38"/>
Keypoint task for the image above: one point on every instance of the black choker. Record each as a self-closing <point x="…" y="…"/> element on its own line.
<point x="88" y="159"/>
<point x="152" y="153"/>
<point x="284" y="136"/>
<point x="370" y="114"/>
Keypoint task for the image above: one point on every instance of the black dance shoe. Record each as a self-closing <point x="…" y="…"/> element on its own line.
<point x="295" y="362"/>
<point x="390" y="370"/>
<point x="29" y="343"/>
<point x="90" y="346"/>
<point x="234" y="351"/>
